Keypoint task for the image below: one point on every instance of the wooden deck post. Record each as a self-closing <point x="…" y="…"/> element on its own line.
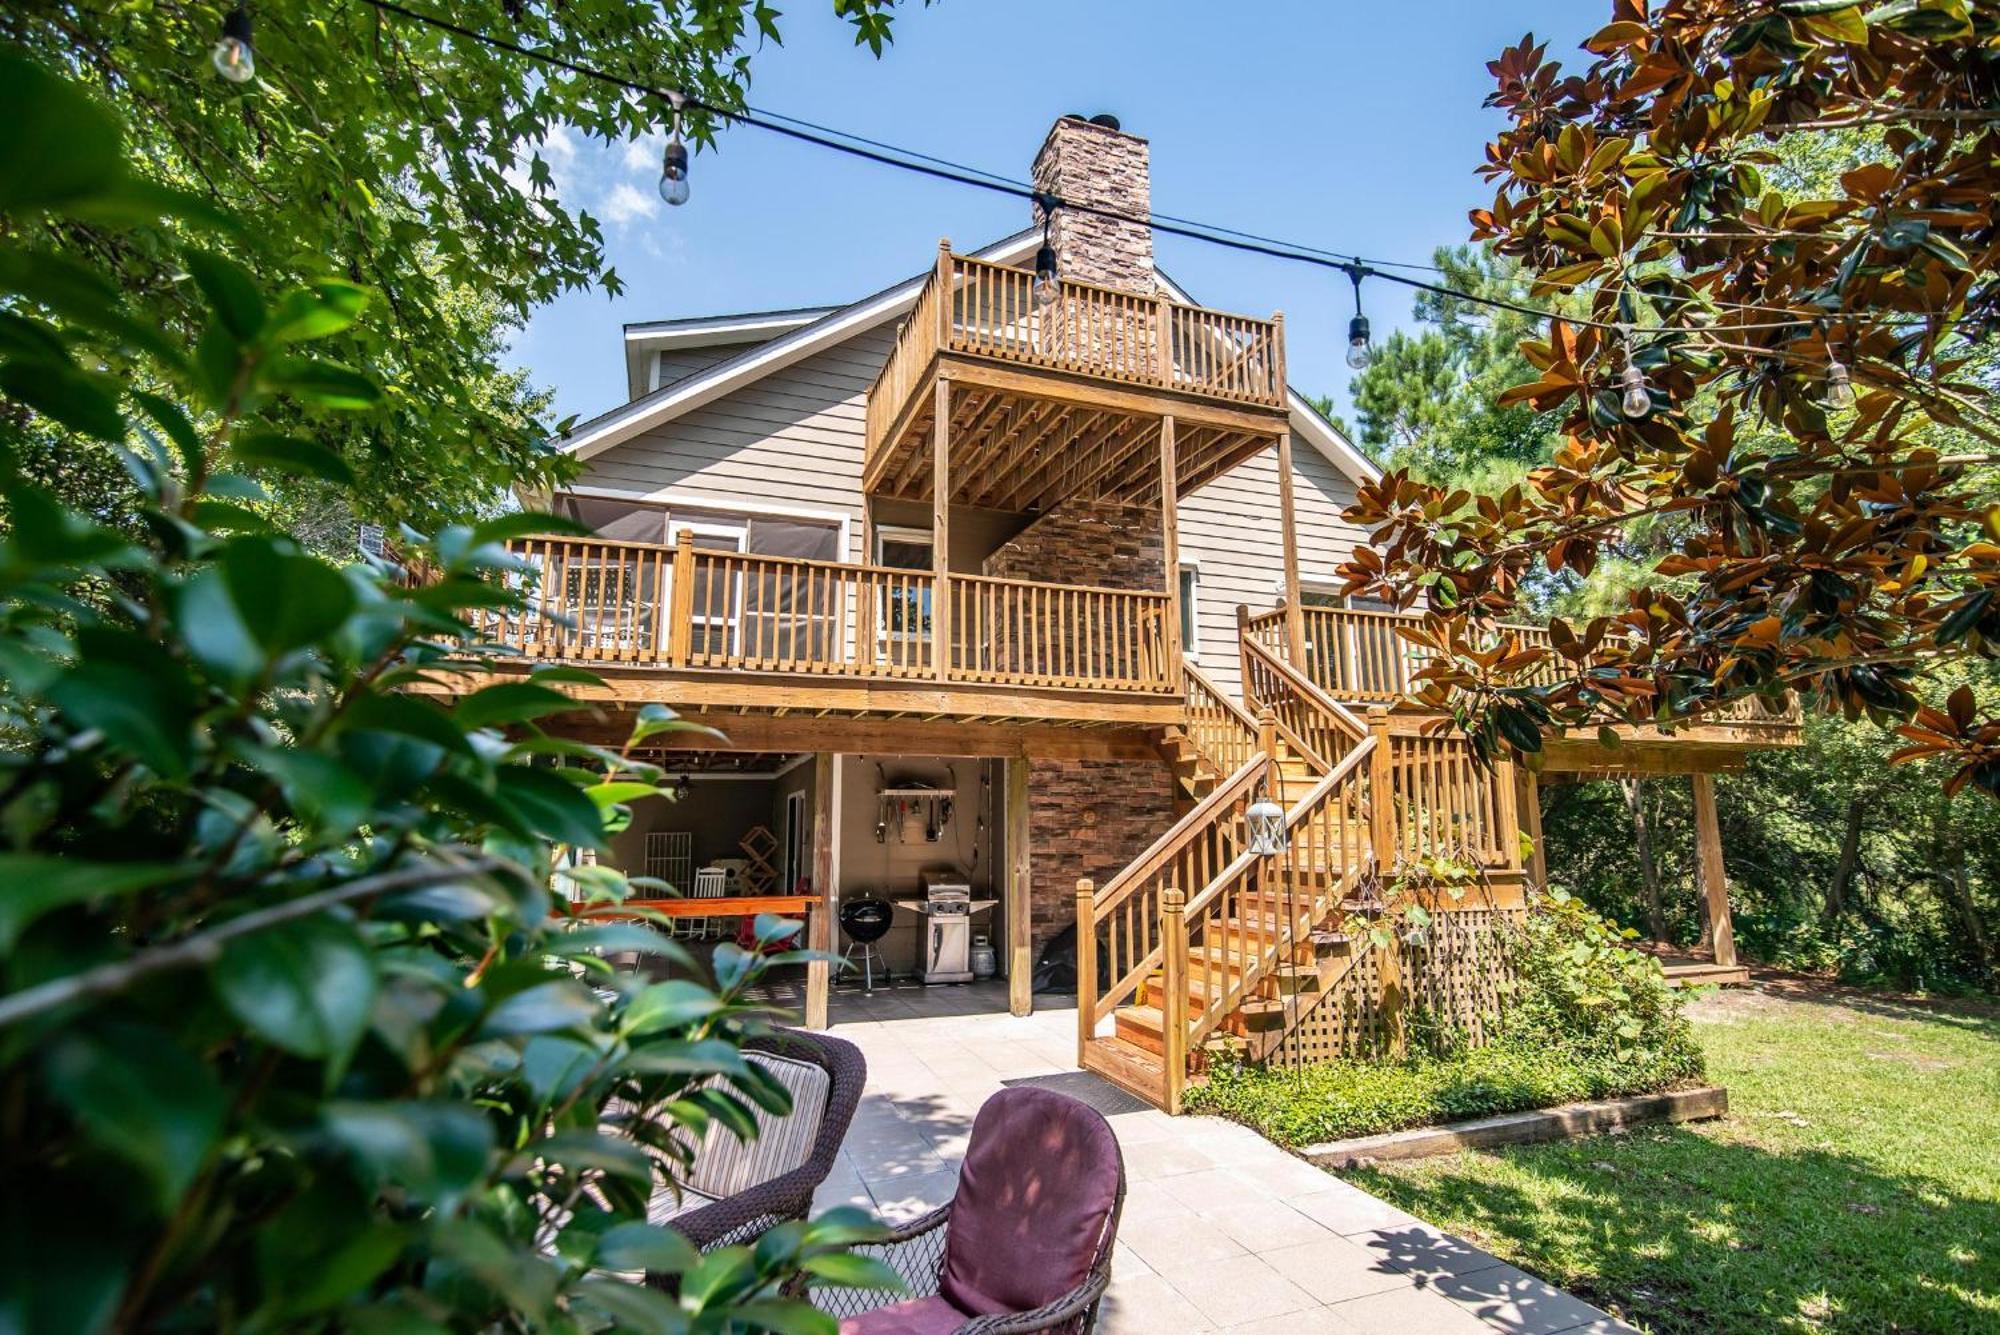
<point x="1528" y="801"/>
<point x="819" y="920"/>
<point x="680" y="601"/>
<point x="941" y="630"/>
<point x="1020" y="889"/>
<point x="1278" y="355"/>
<point x="865" y="594"/>
<point x="944" y="293"/>
<point x="1381" y="792"/>
<point x="1295" y="622"/>
<point x="1267" y="733"/>
<point x="1243" y="654"/>
<point x="1173" y="996"/>
<point x="1713" y="874"/>
<point x="1170" y="547"/>
<point x="1086" y="966"/>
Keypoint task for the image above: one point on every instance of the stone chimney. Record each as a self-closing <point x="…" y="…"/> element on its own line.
<point x="1094" y="162"/>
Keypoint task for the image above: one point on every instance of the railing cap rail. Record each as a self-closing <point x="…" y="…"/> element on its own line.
<point x="973" y="261"/>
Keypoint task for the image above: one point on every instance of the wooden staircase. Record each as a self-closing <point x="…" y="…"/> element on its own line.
<point x="1203" y="940"/>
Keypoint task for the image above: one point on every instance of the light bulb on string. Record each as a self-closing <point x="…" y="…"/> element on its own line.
<point x="674" y="164"/>
<point x="1048" y="278"/>
<point x="1636" y="400"/>
<point x="1839" y="388"/>
<point x="232" y="55"/>
<point x="1358" y="355"/>
<point x="1048" y="283"/>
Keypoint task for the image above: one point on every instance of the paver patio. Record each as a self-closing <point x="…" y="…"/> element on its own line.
<point x="1222" y="1230"/>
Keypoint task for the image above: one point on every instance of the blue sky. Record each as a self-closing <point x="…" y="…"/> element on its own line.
<point x="1347" y="126"/>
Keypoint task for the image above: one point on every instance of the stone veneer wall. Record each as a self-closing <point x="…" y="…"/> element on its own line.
<point x="1088" y="818"/>
<point x="1106" y="543"/>
<point x="1107" y="169"/>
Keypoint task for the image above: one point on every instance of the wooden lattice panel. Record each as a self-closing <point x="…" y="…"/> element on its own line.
<point x="1455" y="974"/>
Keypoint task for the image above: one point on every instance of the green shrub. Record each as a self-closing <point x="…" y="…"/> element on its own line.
<point x="291" y="1035"/>
<point x="1587" y="1017"/>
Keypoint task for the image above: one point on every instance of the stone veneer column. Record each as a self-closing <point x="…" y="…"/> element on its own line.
<point x="1084" y="163"/>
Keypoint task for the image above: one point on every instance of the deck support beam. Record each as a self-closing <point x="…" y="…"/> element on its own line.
<point x="1295" y="621"/>
<point x="825" y="858"/>
<point x="941" y="530"/>
<point x="1170" y="543"/>
<point x="1713" y="874"/>
<point x="1018" y="901"/>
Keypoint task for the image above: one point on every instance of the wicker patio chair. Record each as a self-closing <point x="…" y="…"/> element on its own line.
<point x="735" y="1190"/>
<point x="1024" y="1245"/>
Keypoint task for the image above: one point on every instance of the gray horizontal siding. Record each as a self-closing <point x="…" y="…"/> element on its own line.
<point x="1231" y="528"/>
<point x="794" y="438"/>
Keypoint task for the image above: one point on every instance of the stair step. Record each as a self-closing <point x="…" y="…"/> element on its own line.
<point x="1127" y="1066"/>
<point x="1140" y="1026"/>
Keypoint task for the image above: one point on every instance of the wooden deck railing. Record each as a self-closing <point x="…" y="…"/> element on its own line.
<point x="1223" y="731"/>
<point x="1125" y="913"/>
<point x="1320" y="729"/>
<point x="976" y="308"/>
<point x="682" y="606"/>
<point x="1058" y="635"/>
<point x="1357" y="654"/>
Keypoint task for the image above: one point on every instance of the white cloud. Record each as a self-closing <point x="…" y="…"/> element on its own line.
<point x="643" y="154"/>
<point x="626" y="202"/>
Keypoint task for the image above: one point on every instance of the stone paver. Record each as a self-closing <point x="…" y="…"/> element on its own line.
<point x="1221" y="1231"/>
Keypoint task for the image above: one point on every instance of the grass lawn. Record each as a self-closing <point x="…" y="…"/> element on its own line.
<point x="1855" y="1185"/>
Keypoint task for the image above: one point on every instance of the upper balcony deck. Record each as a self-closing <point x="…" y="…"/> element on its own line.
<point x="1052" y="399"/>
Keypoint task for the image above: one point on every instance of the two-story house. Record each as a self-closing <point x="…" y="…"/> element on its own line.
<point x="1026" y="585"/>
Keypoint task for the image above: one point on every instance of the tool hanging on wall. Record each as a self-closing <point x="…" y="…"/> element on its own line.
<point x="913" y="810"/>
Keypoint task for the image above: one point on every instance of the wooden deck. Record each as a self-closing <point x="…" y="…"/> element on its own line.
<point x="1360" y="656"/>
<point x="699" y="627"/>
<point x="1045" y="401"/>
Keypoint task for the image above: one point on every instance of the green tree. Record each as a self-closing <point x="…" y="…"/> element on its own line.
<point x="399" y="156"/>
<point x="293" y="1031"/>
<point x="1426" y="401"/>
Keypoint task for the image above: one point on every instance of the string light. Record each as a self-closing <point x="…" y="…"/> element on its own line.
<point x="1358" y="355"/>
<point x="1048" y="279"/>
<point x="1839" y="389"/>
<point x="674" y="162"/>
<point x="232" y="55"/>
<point x="944" y="169"/>
<point x="1637" y="399"/>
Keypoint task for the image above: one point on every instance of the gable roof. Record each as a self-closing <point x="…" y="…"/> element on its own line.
<point x="804" y="331"/>
<point x="648" y="337"/>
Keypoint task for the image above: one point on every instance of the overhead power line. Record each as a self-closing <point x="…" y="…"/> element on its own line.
<point x="885" y="154"/>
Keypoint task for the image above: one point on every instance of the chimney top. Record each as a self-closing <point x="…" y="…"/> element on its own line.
<point x="1096" y="164"/>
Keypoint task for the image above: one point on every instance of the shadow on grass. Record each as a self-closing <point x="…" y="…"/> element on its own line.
<point x="1972" y="1014"/>
<point x="1683" y="1234"/>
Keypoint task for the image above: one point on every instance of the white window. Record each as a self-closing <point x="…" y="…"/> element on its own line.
<point x="905" y="613"/>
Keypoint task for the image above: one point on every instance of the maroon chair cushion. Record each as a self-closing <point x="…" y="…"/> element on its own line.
<point x="1040" y="1178"/>
<point x="919" y="1316"/>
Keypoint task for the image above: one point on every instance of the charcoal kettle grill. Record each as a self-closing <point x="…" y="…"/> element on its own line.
<point x="866" y="921"/>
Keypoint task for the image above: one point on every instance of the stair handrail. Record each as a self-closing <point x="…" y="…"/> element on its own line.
<point x="1112" y="906"/>
<point x="1229" y="991"/>
<point x="1196" y="682"/>
<point x="1337" y="717"/>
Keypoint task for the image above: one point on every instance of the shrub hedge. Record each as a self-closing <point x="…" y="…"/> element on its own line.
<point x="1586" y="1017"/>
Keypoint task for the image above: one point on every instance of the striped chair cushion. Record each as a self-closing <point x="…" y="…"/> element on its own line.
<point x="724" y="1165"/>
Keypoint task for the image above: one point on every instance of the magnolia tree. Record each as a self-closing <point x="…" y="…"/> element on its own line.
<point x="1798" y="387"/>
<point x="291" y="1030"/>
